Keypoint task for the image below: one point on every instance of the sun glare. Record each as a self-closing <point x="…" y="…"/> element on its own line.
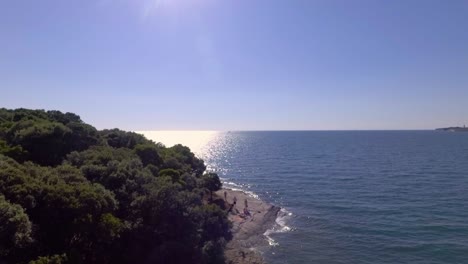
<point x="195" y="140"/>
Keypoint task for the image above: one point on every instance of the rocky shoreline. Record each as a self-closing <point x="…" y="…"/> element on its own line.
<point x="248" y="226"/>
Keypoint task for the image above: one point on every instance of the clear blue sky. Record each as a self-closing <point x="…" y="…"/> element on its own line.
<point x="239" y="65"/>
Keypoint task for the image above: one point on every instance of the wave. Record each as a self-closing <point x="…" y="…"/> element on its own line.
<point x="280" y="226"/>
<point x="237" y="187"/>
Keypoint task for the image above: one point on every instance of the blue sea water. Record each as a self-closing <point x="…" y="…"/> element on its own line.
<point x="354" y="196"/>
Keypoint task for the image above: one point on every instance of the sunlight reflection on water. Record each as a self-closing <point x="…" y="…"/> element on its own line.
<point x="195" y="140"/>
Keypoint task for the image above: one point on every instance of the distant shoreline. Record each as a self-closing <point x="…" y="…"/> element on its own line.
<point x="453" y="129"/>
<point x="248" y="231"/>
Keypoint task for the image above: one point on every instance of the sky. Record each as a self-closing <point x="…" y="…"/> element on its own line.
<point x="239" y="64"/>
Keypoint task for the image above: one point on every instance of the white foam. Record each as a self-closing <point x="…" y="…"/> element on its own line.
<point x="271" y="241"/>
<point x="232" y="184"/>
<point x="280" y="227"/>
<point x="281" y="219"/>
<point x="283" y="216"/>
<point x="236" y="187"/>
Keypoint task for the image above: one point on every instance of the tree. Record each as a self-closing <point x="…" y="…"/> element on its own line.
<point x="43" y="140"/>
<point x="15" y="152"/>
<point x="72" y="194"/>
<point x="54" y="259"/>
<point x="148" y="154"/>
<point x="44" y="137"/>
<point x="173" y="174"/>
<point x="211" y="182"/>
<point x="117" y="138"/>
<point x="15" y="228"/>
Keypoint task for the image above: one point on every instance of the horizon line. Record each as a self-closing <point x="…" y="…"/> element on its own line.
<point x="279" y="130"/>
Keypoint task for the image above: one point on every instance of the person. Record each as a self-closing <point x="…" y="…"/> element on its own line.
<point x="245" y="202"/>
<point x="225" y="196"/>
<point x="230" y="208"/>
<point x="246" y="212"/>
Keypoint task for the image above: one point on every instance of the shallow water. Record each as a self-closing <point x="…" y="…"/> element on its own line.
<point x="354" y="196"/>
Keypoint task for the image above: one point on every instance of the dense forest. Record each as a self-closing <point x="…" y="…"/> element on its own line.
<point x="72" y="194"/>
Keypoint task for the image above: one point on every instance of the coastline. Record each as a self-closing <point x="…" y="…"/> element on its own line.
<point x="247" y="230"/>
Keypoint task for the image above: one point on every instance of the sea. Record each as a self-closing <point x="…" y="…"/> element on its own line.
<point x="348" y="196"/>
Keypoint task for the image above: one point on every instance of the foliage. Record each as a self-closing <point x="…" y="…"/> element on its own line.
<point x="180" y="158"/>
<point x="117" y="138"/>
<point x="211" y="182"/>
<point x="72" y="194"/>
<point x="55" y="259"/>
<point x="43" y="137"/>
<point x="15" y="228"/>
<point x="173" y="174"/>
<point x="148" y="154"/>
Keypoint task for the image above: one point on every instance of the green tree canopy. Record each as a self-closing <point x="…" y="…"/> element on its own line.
<point x="148" y="154"/>
<point x="72" y="194"/>
<point x="15" y="228"/>
<point x="211" y="182"/>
